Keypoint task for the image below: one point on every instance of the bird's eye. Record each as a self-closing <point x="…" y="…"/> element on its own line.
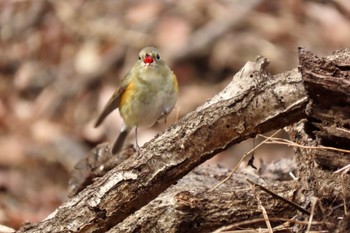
<point x="140" y="58"/>
<point x="158" y="57"/>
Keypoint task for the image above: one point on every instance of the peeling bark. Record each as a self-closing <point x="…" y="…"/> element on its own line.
<point x="327" y="82"/>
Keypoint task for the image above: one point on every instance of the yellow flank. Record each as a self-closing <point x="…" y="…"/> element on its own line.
<point x="176" y="86"/>
<point x="129" y="91"/>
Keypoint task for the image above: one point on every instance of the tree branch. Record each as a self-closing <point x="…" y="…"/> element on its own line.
<point x="189" y="206"/>
<point x="254" y="102"/>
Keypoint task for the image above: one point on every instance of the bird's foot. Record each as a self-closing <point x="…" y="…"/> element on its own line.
<point x="137" y="149"/>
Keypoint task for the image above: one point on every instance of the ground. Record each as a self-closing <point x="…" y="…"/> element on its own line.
<point x="61" y="60"/>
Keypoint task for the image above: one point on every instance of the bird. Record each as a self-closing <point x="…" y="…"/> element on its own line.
<point x="147" y="93"/>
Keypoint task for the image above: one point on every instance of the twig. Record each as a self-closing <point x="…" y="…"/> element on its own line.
<point x="344" y="169"/>
<point x="293" y="176"/>
<point x="294" y="144"/>
<point x="279" y="197"/>
<point x="258" y="220"/>
<point x="241" y="160"/>
<point x="263" y="210"/>
<point x="313" y="201"/>
<point x="344" y="194"/>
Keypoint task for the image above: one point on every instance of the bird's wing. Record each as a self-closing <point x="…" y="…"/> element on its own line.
<point x="114" y="101"/>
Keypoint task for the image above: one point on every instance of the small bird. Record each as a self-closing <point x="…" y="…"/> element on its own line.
<point x="147" y="93"/>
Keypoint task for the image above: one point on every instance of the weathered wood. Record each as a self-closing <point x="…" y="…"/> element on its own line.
<point x="327" y="82"/>
<point x="254" y="102"/>
<point x="189" y="206"/>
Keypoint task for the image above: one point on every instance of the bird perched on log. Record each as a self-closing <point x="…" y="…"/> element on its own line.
<point x="147" y="93"/>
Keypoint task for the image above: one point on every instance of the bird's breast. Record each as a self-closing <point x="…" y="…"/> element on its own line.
<point x="147" y="98"/>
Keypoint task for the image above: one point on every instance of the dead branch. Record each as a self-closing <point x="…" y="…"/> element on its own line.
<point x="327" y="82"/>
<point x="189" y="205"/>
<point x="254" y="102"/>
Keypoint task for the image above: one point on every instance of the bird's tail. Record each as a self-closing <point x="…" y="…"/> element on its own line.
<point x="119" y="142"/>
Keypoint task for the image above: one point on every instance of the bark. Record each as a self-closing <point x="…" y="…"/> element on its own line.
<point x="327" y="82"/>
<point x="254" y="102"/>
<point x="190" y="206"/>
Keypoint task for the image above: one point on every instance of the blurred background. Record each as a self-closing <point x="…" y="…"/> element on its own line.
<point x="60" y="61"/>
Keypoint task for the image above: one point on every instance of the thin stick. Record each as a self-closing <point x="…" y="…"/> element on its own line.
<point x="263" y="210"/>
<point x="258" y="220"/>
<point x="241" y="160"/>
<point x="344" y="194"/>
<point x="294" y="144"/>
<point x="344" y="169"/>
<point x="313" y="201"/>
<point x="279" y="197"/>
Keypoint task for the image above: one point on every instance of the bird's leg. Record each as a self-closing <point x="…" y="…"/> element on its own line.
<point x="177" y="114"/>
<point x="163" y="115"/>
<point x="136" y="141"/>
<point x="165" y="118"/>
